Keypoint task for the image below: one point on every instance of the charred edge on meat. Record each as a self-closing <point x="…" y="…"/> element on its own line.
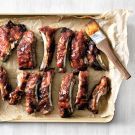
<point x="78" y="52"/>
<point x="5" y="87"/>
<point x="31" y="90"/>
<point x="65" y="96"/>
<point x="47" y="34"/>
<point x="45" y="105"/>
<point x="82" y="93"/>
<point x="26" y="51"/>
<point x="62" y="48"/>
<point x="100" y="90"/>
<point x="94" y="57"/>
<point x="10" y="35"/>
<point x="17" y="95"/>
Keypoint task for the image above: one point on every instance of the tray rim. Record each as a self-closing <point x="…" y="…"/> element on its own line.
<point x="52" y="13"/>
<point x="63" y="120"/>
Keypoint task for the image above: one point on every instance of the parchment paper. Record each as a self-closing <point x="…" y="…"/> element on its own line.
<point x="114" y="23"/>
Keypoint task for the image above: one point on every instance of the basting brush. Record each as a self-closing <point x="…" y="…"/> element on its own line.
<point x="96" y="34"/>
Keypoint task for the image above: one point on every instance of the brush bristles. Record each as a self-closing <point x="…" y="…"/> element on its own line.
<point x="91" y="28"/>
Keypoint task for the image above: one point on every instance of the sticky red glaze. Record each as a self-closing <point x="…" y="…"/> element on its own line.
<point x="5" y="87"/>
<point x="100" y="89"/>
<point x="31" y="101"/>
<point x="82" y="93"/>
<point x="62" y="46"/>
<point x="47" y="58"/>
<point x="4" y="42"/>
<point x="9" y="33"/>
<point x="17" y="94"/>
<point x="64" y="96"/>
<point x="78" y="49"/>
<point x="44" y="105"/>
<point x="26" y="51"/>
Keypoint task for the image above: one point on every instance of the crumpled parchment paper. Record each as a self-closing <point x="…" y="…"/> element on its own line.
<point x="114" y="24"/>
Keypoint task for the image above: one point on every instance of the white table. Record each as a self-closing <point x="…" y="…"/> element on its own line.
<point x="124" y="120"/>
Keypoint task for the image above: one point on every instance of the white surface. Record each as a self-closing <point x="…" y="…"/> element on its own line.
<point x="124" y="120"/>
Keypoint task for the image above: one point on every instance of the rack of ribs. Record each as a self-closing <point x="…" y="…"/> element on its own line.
<point x="78" y="52"/>
<point x="26" y="51"/>
<point x="31" y="92"/>
<point x="10" y="35"/>
<point x="65" y="95"/>
<point x="5" y="87"/>
<point x="16" y="95"/>
<point x="100" y="90"/>
<point x="62" y="48"/>
<point x="82" y="93"/>
<point x="45" y="97"/>
<point x="47" y="34"/>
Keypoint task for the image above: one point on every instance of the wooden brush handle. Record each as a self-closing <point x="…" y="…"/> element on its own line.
<point x="106" y="48"/>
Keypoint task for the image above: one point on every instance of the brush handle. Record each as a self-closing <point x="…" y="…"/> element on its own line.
<point x="107" y="49"/>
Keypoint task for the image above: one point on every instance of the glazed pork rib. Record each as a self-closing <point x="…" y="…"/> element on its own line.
<point x="78" y="51"/>
<point x="94" y="57"/>
<point x="47" y="34"/>
<point x="65" y="95"/>
<point x="62" y="48"/>
<point x="26" y="51"/>
<point x="45" y="97"/>
<point x="100" y="90"/>
<point x="82" y="93"/>
<point x="16" y="95"/>
<point x="10" y="34"/>
<point x="5" y="87"/>
<point x="31" y="90"/>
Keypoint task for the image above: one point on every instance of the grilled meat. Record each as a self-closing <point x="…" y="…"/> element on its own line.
<point x="31" y="90"/>
<point x="62" y="48"/>
<point x="100" y="90"/>
<point x="10" y="34"/>
<point x="82" y="93"/>
<point x="78" y="51"/>
<point x="18" y="93"/>
<point x="26" y="51"/>
<point x="47" y="34"/>
<point x="65" y="96"/>
<point x="5" y="87"/>
<point x="45" y="97"/>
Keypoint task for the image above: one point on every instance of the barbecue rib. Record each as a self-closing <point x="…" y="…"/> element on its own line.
<point x="62" y="48"/>
<point x="78" y="51"/>
<point x="26" y="51"/>
<point x="94" y="57"/>
<point x="45" y="97"/>
<point x="5" y="87"/>
<point x="47" y="34"/>
<point x="65" y="96"/>
<point x="31" y="90"/>
<point x="82" y="94"/>
<point x="17" y="94"/>
<point x="100" y="90"/>
<point x="10" y="34"/>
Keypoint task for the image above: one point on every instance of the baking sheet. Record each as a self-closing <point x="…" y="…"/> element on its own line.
<point x="114" y="23"/>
